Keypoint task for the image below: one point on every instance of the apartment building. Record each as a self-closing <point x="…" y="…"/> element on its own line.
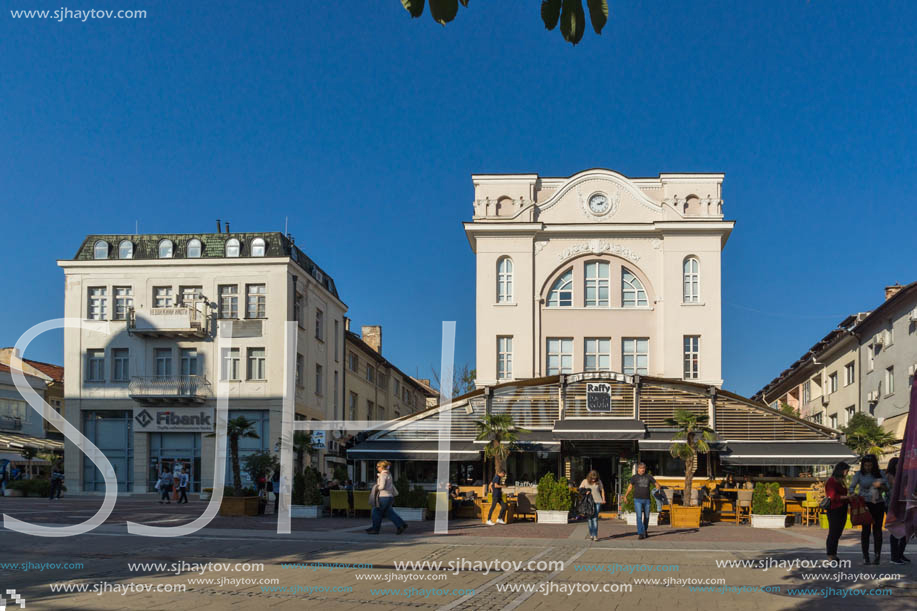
<point x="51" y="375"/>
<point x="168" y="317"/>
<point x="598" y="272"/>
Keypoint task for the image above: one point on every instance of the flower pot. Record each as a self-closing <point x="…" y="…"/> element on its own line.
<point x="551" y="517"/>
<point x="632" y="519"/>
<point x="685" y="517"/>
<point x="765" y="521"/>
<point x="411" y="514"/>
<point x="305" y="511"/>
<point x="239" y="506"/>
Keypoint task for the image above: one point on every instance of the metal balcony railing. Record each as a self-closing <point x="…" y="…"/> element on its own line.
<point x="10" y="423"/>
<point x="169" y="388"/>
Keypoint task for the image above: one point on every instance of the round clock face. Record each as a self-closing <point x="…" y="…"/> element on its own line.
<point x="598" y="203"/>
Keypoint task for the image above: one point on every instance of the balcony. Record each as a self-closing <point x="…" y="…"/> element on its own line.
<point x="182" y="322"/>
<point x="169" y="389"/>
<point x="10" y="423"/>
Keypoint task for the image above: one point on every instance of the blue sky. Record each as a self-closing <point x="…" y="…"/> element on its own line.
<point x="363" y="126"/>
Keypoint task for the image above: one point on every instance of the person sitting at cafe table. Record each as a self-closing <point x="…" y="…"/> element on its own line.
<point x="747" y="483"/>
<point x="726" y="488"/>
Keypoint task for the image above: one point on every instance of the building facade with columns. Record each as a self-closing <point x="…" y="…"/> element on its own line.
<point x="598" y="272"/>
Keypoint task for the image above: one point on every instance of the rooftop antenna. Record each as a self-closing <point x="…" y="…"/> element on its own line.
<point x="136" y="227"/>
<point x="286" y="225"/>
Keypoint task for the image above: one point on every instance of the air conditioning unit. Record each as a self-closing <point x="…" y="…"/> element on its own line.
<point x="873" y="397"/>
<point x="912" y="317"/>
<point x="825" y="398"/>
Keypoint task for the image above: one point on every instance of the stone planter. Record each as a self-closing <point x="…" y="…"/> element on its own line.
<point x="551" y="517"/>
<point x="685" y="517"/>
<point x="305" y="511"/>
<point x="239" y="506"/>
<point x="762" y="521"/>
<point x="632" y="519"/>
<point x="11" y="492"/>
<point x="411" y="514"/>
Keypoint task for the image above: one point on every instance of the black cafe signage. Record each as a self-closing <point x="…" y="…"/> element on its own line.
<point x="174" y="419"/>
<point x="598" y="397"/>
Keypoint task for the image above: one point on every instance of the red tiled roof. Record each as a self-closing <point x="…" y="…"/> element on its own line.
<point x="6" y="369"/>
<point x="55" y="372"/>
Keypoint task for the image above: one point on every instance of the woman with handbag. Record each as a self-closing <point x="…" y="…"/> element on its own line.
<point x="836" y="493"/>
<point x="870" y="483"/>
<point x="593" y="486"/>
<point x="381" y="498"/>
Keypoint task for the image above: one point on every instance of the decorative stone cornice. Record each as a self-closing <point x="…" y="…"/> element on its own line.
<point x="598" y="247"/>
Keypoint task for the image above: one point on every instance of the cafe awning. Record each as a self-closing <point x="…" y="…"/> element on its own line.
<point x="412" y="450"/>
<point x="788" y="453"/>
<point x="598" y="429"/>
<point x="531" y="441"/>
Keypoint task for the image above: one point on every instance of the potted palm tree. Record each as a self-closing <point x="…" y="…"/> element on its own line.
<point x="236" y="501"/>
<point x="692" y="438"/>
<point x="864" y="435"/>
<point x="767" y="508"/>
<point x="499" y="430"/>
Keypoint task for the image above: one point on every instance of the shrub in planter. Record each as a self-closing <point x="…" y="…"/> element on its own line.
<point x="31" y="487"/>
<point x="630" y="510"/>
<point x="411" y="503"/>
<point x="554" y="499"/>
<point x="767" y="508"/>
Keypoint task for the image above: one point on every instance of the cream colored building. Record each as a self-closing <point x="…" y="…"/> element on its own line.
<point x="153" y="306"/>
<point x="598" y="271"/>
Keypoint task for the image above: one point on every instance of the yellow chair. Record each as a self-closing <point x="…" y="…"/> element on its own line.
<point x="810" y="508"/>
<point x="432" y="500"/>
<point x="361" y="501"/>
<point x="339" y="502"/>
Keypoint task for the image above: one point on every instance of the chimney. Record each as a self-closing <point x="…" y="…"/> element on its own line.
<point x="219" y="230"/>
<point x="227" y="226"/>
<point x="346" y="324"/>
<point x="425" y="381"/>
<point x="372" y="335"/>
<point x="891" y="291"/>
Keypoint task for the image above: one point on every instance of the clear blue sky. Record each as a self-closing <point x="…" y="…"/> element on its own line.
<point x="364" y="126"/>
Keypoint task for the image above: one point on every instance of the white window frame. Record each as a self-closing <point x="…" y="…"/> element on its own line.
<point x="597" y="354"/>
<point x="890" y="380"/>
<point x="126" y="249"/>
<point x="120" y="365"/>
<point x="559" y="355"/>
<point x="505" y="269"/>
<point x="630" y="348"/>
<point x="256" y="364"/>
<point x="232" y="248"/>
<point x="832" y="420"/>
<point x="691" y="349"/>
<point x="807" y="391"/>
<point x="189" y="294"/>
<point x="632" y="286"/>
<point x="124" y="301"/>
<point x="100" y="249"/>
<point x="189" y="362"/>
<point x="504" y="357"/>
<point x="690" y="271"/>
<point x="162" y="362"/>
<point x="95" y="365"/>
<point x="230" y="364"/>
<point x="163" y="297"/>
<point x="597" y="281"/>
<point x="561" y="293"/>
<point x="832" y="383"/>
<point x="229" y="296"/>
<point x="255" y="301"/>
<point x="849" y="373"/>
<point x="258" y="247"/>
<point x="166" y="249"/>
<point x="97" y="303"/>
<point x="353" y="361"/>
<point x="192" y="245"/>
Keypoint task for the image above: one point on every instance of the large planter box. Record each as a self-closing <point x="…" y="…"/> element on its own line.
<point x="775" y="521"/>
<point x="685" y="517"/>
<point x="411" y="514"/>
<point x="632" y="519"/>
<point x="239" y="506"/>
<point x="11" y="492"/>
<point x="305" y="511"/>
<point x="551" y="517"/>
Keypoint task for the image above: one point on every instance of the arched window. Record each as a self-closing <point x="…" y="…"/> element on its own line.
<point x="597" y="284"/>
<point x="633" y="295"/>
<point x="126" y="250"/>
<point x="232" y="247"/>
<point x="505" y="280"/>
<point x="561" y="295"/>
<point x="258" y="247"/>
<point x="194" y="249"/>
<point x="691" y="278"/>
<point x="100" y="250"/>
<point x="165" y="249"/>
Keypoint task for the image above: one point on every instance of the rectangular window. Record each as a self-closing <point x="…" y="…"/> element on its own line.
<point x="849" y="375"/>
<point x="120" y="365"/>
<point x="97" y="302"/>
<point x="162" y="296"/>
<point x="633" y="294"/>
<point x="505" y="280"/>
<point x="598" y="354"/>
<point x="163" y="360"/>
<point x="297" y="309"/>
<point x="833" y="421"/>
<point x="256" y="364"/>
<point x="832" y="383"/>
<point x="370" y="406"/>
<point x="850" y="412"/>
<point x="370" y="373"/>
<point x="353" y="362"/>
<point x="504" y="357"/>
<point x="334" y="402"/>
<point x="381" y="379"/>
<point x="807" y="391"/>
<point x="597" y="283"/>
<point x="189" y="295"/>
<point x="300" y="369"/>
<point x="560" y="355"/>
<point x="871" y="356"/>
<point x="816" y="418"/>
<point x="692" y="357"/>
<point x="319" y="325"/>
<point x="396" y="387"/>
<point x="124" y="301"/>
<point x="319" y="380"/>
<point x="230" y="364"/>
<point x="229" y="301"/>
<point x="635" y="355"/>
<point x="189" y="366"/>
<point x="890" y="381"/>
<point x="352" y="407"/>
<point x="256" y="298"/>
<point x="95" y="365"/>
<point x="337" y="334"/>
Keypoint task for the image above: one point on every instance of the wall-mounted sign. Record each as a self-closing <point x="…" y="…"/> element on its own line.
<point x="174" y="420"/>
<point x="598" y="397"/>
<point x="318" y="440"/>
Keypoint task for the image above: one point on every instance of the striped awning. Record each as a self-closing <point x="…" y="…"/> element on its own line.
<point x="412" y="450"/>
<point x="598" y="429"/>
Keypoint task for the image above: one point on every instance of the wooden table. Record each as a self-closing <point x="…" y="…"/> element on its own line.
<point x="484" y="507"/>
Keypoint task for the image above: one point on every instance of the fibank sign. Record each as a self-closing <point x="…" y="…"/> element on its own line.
<point x="174" y="419"/>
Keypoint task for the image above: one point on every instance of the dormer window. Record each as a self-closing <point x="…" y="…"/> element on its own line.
<point x="165" y="249"/>
<point x="100" y="250"/>
<point x="126" y="250"/>
<point x="194" y="249"/>
<point x="232" y="247"/>
<point x="258" y="247"/>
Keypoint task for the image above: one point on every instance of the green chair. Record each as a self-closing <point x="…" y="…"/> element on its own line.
<point x="339" y="502"/>
<point x="432" y="500"/>
<point x="361" y="501"/>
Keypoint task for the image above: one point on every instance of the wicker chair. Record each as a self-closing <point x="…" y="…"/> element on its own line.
<point x="743" y="506"/>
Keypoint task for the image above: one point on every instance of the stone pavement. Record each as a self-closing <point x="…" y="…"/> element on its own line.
<point x="667" y="555"/>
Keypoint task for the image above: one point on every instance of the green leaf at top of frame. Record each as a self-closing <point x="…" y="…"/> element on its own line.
<point x="443" y="11"/>
<point x="414" y="7"/>
<point x="572" y="21"/>
<point x="550" y="13"/>
<point x="598" y="13"/>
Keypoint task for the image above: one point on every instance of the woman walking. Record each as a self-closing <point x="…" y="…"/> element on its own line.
<point x="594" y="484"/>
<point x="870" y="484"/>
<point x="897" y="543"/>
<point x="836" y="491"/>
<point x="381" y="498"/>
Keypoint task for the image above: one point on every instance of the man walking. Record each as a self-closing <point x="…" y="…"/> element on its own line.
<point x="57" y="481"/>
<point x="183" y="487"/>
<point x="496" y="487"/>
<point x="640" y="484"/>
